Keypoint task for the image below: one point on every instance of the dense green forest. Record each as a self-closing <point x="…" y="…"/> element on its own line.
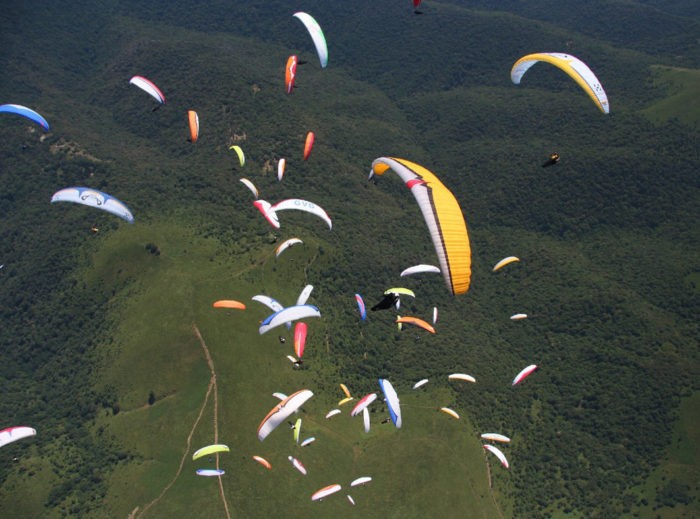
<point x="97" y="345"/>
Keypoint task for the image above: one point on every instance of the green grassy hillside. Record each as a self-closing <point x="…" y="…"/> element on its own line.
<point x="681" y="103"/>
<point x="100" y="350"/>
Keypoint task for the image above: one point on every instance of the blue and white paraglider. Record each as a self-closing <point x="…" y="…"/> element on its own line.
<point x="93" y="198"/>
<point x="25" y="112"/>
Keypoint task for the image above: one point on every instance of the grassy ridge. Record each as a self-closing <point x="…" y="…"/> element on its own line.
<point x="437" y="451"/>
<point x="681" y="102"/>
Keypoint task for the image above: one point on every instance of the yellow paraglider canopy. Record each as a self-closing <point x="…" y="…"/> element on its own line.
<point x="443" y="216"/>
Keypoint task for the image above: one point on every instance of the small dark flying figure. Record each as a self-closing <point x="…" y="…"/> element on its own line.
<point x="387" y="302"/>
<point x="552" y="160"/>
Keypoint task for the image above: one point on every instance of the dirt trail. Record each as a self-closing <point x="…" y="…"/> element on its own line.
<point x="135" y="514"/>
<point x="182" y="460"/>
<point x="216" y="410"/>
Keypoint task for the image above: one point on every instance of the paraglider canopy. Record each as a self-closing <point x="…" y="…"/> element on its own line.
<point x="210" y="472"/>
<point x="239" y="152"/>
<point x="316" y="35"/>
<point x="392" y="401"/>
<point x="325" y="491"/>
<point x="388" y="301"/>
<point x="229" y="303"/>
<point x="526" y="372"/>
<point x="93" y="198"/>
<point x="282" y="411"/>
<point x="417" y="322"/>
<point x="12" y="434"/>
<point x="443" y="216"/>
<point x="263" y="462"/>
<point x="361" y="307"/>
<point x="309" y="144"/>
<point x="25" y="112"/>
<point x="193" y="120"/>
<point x="574" y="67"/>
<point x="149" y="87"/>
<point x="504" y="262"/>
<point x="497" y="452"/>
<point x="290" y="73"/>
<point x="209" y="449"/>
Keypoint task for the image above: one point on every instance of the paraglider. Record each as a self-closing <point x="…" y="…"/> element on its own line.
<point x="325" y="492"/>
<point x="93" y="198"/>
<point x="289" y="314"/>
<point x="365" y="419"/>
<point x="332" y="413"/>
<point x="25" y="112"/>
<point x="360" y="481"/>
<point x="193" y="120"/>
<point x="281" y="164"/>
<point x="297" y="464"/>
<point x="209" y="449"/>
<point x="302" y="205"/>
<point x="304" y="295"/>
<point x="345" y="400"/>
<point x="290" y="73"/>
<point x="345" y="390"/>
<point x="149" y="87"/>
<point x="210" y="472"/>
<point x="361" y="306"/>
<point x="316" y="35"/>
<point x="435" y="314"/>
<point x="495" y="437"/>
<point x="443" y="217"/>
<point x="282" y="411"/>
<point x="497" y="452"/>
<point x="299" y="339"/>
<point x="417" y="269"/>
<point x="450" y="412"/>
<point x="12" y="434"/>
<point x="297" y="430"/>
<point x="285" y="245"/>
<point x="574" y="67"/>
<point x="551" y="161"/>
<point x="518" y="317"/>
<point x="247" y="183"/>
<point x="266" y="209"/>
<point x="400" y="291"/>
<point x="388" y="301"/>
<point x="420" y="383"/>
<point x="309" y="144"/>
<point x="229" y="303"/>
<point x="392" y="401"/>
<point x="461" y="376"/>
<point x="417" y="322"/>
<point x="363" y="403"/>
<point x="524" y="374"/>
<point x="307" y="441"/>
<point x="263" y="462"/>
<point x="269" y="302"/>
<point x="504" y="262"/>
<point x="239" y="152"/>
